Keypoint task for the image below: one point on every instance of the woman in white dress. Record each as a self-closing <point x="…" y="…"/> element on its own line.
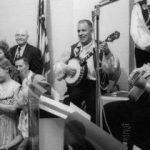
<point x="8" y="114"/>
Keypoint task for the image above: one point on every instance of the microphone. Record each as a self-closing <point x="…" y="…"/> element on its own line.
<point x="106" y="2"/>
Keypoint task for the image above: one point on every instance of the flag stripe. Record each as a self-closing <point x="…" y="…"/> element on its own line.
<point x="42" y="37"/>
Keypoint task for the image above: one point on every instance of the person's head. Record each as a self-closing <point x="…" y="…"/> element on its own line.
<point x="4" y="50"/>
<point x="21" y="36"/>
<point x="4" y="70"/>
<point x="85" y="29"/>
<point x="22" y="66"/>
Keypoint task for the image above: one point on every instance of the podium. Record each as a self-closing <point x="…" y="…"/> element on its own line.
<point x="51" y="133"/>
<point x="51" y="129"/>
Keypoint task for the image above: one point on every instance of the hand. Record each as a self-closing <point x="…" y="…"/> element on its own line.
<point x="111" y="87"/>
<point x="55" y="94"/>
<point x="70" y="71"/>
<point x="104" y="48"/>
<point x="141" y="83"/>
<point x="135" y="75"/>
<point x="59" y="70"/>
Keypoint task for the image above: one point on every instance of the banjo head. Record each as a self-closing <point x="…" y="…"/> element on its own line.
<point x="80" y="72"/>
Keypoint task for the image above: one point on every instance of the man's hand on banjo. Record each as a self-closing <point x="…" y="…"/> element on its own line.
<point x="70" y="71"/>
<point x="61" y="70"/>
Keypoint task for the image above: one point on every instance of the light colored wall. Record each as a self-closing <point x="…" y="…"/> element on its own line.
<point x="63" y="16"/>
<point x="61" y="29"/>
<point x="16" y="14"/>
<point x="116" y="17"/>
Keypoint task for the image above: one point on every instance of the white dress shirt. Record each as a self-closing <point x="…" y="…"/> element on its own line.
<point x="84" y="51"/>
<point x="139" y="30"/>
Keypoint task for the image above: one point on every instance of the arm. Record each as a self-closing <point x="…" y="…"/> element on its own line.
<point x="55" y="94"/>
<point x="8" y="108"/>
<point x="139" y="30"/>
<point x="40" y="80"/>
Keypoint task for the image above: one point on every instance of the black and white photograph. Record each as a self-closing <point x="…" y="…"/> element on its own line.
<point x="75" y="75"/>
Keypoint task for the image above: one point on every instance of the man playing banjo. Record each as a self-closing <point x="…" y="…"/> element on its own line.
<point x="81" y="82"/>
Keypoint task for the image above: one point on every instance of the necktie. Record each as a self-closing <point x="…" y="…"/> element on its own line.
<point x="19" y="49"/>
<point x="18" y="53"/>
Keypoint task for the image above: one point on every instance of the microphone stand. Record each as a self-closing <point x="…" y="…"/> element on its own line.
<point x="96" y="13"/>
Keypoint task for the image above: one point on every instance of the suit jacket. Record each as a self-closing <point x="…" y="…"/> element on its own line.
<point x="33" y="55"/>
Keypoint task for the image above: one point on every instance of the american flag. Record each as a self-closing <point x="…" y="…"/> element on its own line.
<point x="42" y="39"/>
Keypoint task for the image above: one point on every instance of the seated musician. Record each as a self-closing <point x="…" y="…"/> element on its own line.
<point x="134" y="112"/>
<point x="86" y="88"/>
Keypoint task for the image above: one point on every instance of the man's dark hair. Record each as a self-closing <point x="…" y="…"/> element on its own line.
<point x="86" y="21"/>
<point x="5" y="48"/>
<point x="5" y="64"/>
<point x="25" y="59"/>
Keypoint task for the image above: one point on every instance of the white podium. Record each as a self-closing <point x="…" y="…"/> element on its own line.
<point x="51" y="133"/>
<point x="52" y="130"/>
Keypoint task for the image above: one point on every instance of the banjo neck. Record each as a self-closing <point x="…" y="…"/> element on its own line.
<point x="83" y="61"/>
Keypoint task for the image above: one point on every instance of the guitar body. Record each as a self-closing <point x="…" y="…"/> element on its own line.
<point x="81" y="72"/>
<point x="135" y="93"/>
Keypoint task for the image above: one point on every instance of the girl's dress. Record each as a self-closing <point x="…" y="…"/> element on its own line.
<point x="8" y="121"/>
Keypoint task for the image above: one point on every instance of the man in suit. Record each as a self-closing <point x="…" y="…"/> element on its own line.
<point x="23" y="49"/>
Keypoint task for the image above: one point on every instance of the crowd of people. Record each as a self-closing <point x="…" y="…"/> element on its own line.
<point x="20" y="66"/>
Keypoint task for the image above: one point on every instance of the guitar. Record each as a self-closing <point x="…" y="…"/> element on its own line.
<point x="136" y="91"/>
<point x="80" y="66"/>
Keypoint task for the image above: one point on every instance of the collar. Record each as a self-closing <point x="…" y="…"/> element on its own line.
<point x="28" y="78"/>
<point x="22" y="47"/>
<point x="79" y="45"/>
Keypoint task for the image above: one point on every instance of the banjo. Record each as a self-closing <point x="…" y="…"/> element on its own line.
<point x="80" y="66"/>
